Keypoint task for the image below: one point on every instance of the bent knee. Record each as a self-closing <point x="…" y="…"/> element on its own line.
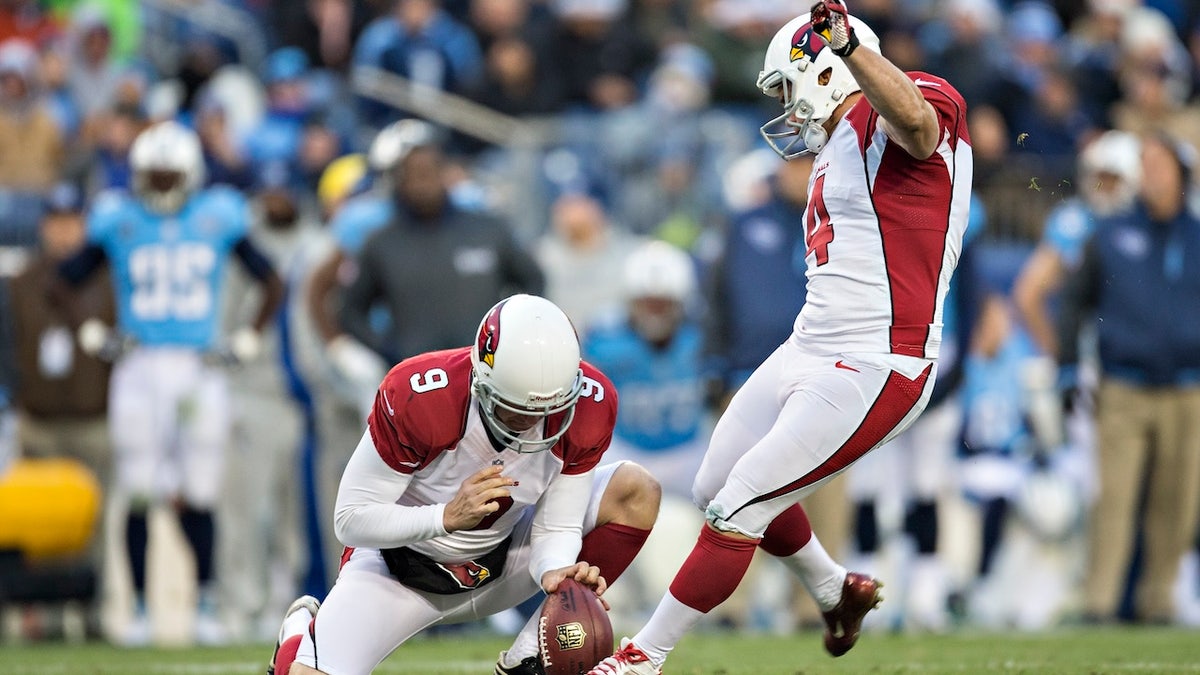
<point x="301" y="669"/>
<point x="632" y="497"/>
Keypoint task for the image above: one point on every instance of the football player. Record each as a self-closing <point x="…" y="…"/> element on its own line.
<point x="477" y="484"/>
<point x="167" y="245"/>
<point x="887" y="207"/>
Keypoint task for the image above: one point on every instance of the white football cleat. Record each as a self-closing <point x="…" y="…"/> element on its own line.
<point x="136" y="632"/>
<point x="208" y="629"/>
<point x="628" y="660"/>
<point x="306" y="604"/>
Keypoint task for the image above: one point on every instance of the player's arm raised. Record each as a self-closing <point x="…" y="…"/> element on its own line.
<point x="907" y="118"/>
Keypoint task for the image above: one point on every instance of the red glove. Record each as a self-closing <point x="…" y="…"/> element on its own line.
<point x="831" y="20"/>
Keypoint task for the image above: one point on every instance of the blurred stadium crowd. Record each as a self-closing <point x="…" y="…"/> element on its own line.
<point x="578" y="131"/>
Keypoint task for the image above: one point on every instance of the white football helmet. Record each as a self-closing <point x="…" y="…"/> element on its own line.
<point x="656" y="272"/>
<point x="525" y="360"/>
<point x="396" y="140"/>
<point x="1118" y="154"/>
<point x="657" y="269"/>
<point x="168" y="166"/>
<point x="802" y="71"/>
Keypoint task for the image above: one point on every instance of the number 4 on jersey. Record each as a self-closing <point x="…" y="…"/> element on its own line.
<point x="818" y="228"/>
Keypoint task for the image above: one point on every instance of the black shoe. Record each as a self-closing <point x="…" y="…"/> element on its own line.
<point x="530" y="665"/>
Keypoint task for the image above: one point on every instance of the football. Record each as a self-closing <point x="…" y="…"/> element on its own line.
<point x="574" y="632"/>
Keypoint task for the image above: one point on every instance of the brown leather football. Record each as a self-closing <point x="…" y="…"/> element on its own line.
<point x="574" y="631"/>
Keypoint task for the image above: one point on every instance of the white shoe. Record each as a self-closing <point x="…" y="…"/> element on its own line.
<point x="306" y="604"/>
<point x="628" y="660"/>
<point x="208" y="629"/>
<point x="136" y="632"/>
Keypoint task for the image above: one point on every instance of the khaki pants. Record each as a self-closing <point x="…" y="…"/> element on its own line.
<point x="85" y="440"/>
<point x="1146" y="437"/>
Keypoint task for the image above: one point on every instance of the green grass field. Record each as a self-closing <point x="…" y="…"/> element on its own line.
<point x="1115" y="650"/>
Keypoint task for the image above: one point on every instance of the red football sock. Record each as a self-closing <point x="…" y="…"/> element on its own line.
<point x="612" y="547"/>
<point x="287" y="654"/>
<point x="713" y="570"/>
<point x="788" y="533"/>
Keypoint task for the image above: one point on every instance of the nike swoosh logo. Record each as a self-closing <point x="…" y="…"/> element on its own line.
<point x="386" y="402"/>
<point x="919" y="82"/>
<point x="409" y="464"/>
<point x="843" y="366"/>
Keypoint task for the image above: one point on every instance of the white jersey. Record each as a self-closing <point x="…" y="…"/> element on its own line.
<point x="883" y="232"/>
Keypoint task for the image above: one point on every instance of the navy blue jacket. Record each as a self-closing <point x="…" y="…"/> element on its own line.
<point x="1140" y="279"/>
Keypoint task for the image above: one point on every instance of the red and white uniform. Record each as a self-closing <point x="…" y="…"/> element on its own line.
<point x="425" y="437"/>
<point x="883" y="232"/>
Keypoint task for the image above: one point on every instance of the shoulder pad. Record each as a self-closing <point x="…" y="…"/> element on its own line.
<point x="420" y="409"/>
<point x="591" y="430"/>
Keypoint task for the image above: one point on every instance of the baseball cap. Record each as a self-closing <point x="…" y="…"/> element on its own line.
<point x="63" y="198"/>
<point x="287" y="63"/>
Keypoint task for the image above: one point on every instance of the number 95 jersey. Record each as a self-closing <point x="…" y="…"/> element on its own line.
<point x="168" y="270"/>
<point x="425" y="424"/>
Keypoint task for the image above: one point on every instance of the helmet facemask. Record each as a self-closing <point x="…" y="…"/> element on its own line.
<point x="168" y="166"/>
<point x="490" y="401"/>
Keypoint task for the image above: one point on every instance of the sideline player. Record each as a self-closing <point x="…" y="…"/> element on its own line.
<point x="476" y="486"/>
<point x="888" y="204"/>
<point x="167" y="246"/>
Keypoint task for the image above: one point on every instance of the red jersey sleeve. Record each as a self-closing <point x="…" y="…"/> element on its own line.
<point x="420" y="409"/>
<point x="591" y="431"/>
<point x="947" y="103"/>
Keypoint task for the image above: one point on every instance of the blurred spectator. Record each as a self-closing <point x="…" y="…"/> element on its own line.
<point x="582" y="254"/>
<point x="965" y="47"/>
<point x="277" y="138"/>
<point x="733" y="33"/>
<point x="61" y="393"/>
<point x="1093" y="53"/>
<point x="54" y="72"/>
<point x="658" y="155"/>
<point x="1155" y="80"/>
<point x="189" y="40"/>
<point x="324" y="29"/>
<point x="1138" y="276"/>
<point x="434" y="267"/>
<point x="94" y="74"/>
<point x="110" y="163"/>
<point x="25" y="20"/>
<point x="224" y="159"/>
<point x="599" y="57"/>
<point x="517" y="80"/>
<point x="319" y="145"/>
<point x="1011" y="187"/>
<point x="419" y="41"/>
<point x="1033" y="97"/>
<point x="31" y="143"/>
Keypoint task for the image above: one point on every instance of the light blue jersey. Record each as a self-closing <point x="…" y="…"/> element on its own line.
<point x="358" y="219"/>
<point x="662" y="392"/>
<point x="1067" y="230"/>
<point x="168" y="270"/>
